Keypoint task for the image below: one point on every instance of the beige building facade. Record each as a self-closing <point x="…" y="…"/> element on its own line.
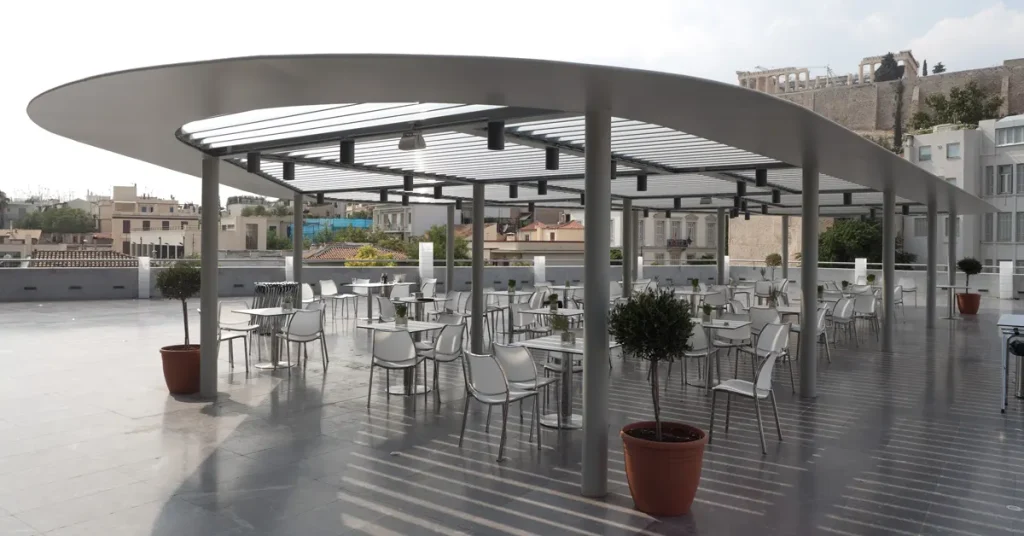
<point x="127" y="212"/>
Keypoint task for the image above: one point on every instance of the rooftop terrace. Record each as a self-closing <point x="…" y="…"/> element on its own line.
<point x="910" y="442"/>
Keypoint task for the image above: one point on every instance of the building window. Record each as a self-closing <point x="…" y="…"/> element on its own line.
<point x="659" y="258"/>
<point x="526" y="238"/>
<point x="924" y="153"/>
<point x="691" y="231"/>
<point x="988" y="228"/>
<point x="1020" y="226"/>
<point x="1009" y="136"/>
<point x="184" y="225"/>
<point x="659" y="233"/>
<point x="712" y="232"/>
<point x="126" y="226"/>
<point x="953" y="150"/>
<point x="945" y="227"/>
<point x="1020" y="179"/>
<point x="920" y="226"/>
<point x="1005" y="179"/>
<point x="643" y="227"/>
<point x="165" y="225"/>
<point x="172" y="209"/>
<point x="145" y="225"/>
<point x="552" y="235"/>
<point x="1005" y="227"/>
<point x="986" y="267"/>
<point x="677" y="229"/>
<point x="990" y="180"/>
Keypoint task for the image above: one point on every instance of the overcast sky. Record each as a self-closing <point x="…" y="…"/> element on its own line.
<point x="51" y="43"/>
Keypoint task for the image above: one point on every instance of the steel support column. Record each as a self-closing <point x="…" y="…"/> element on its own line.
<point x="596" y="273"/>
<point x="627" y="247"/>
<point x="785" y="247"/>
<point x="638" y="247"/>
<point x="477" y="287"/>
<point x="889" y="216"/>
<point x="210" y="221"/>
<point x="723" y="220"/>
<point x="809" y="281"/>
<point x="297" y="238"/>
<point x="951" y="252"/>
<point x="449" y="254"/>
<point x="933" y="258"/>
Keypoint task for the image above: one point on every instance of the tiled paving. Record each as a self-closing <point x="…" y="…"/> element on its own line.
<point x="908" y="443"/>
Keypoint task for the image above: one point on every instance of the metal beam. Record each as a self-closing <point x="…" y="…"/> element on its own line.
<point x="931" y="276"/>
<point x="809" y="283"/>
<point x="889" y="216"/>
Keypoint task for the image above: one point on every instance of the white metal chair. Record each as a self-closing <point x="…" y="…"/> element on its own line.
<point x="733" y="339"/>
<point x="486" y="383"/>
<point x="304" y="327"/>
<point x="400" y="291"/>
<point x="394" y="350"/>
<point x="329" y="291"/>
<point x="909" y="286"/>
<point x="762" y="291"/>
<point x="232" y="325"/>
<point x="897" y="301"/>
<point x="861" y="290"/>
<point x="865" y="308"/>
<point x="821" y="331"/>
<point x="737" y="306"/>
<point x="523" y="326"/>
<point x="521" y="373"/>
<point x="842" y="316"/>
<point x="385" y="309"/>
<point x="717" y="300"/>
<point x="307" y="293"/>
<point x="446" y="348"/>
<point x="757" y="390"/>
<point x="774" y="338"/>
<point x="761" y="316"/>
<point x="614" y="290"/>
<point x="699" y="349"/>
<point x="360" y="292"/>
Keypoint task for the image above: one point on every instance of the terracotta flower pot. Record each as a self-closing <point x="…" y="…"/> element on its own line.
<point x="663" y="476"/>
<point x="181" y="368"/>
<point x="968" y="303"/>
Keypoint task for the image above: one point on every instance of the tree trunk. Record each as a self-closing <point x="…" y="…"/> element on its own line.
<point x="184" y="314"/>
<point x="657" y="403"/>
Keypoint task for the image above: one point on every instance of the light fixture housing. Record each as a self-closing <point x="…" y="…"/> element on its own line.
<point x="847" y="198"/>
<point x="288" y="171"/>
<point x="872" y="214"/>
<point x="551" y="158"/>
<point x="531" y="207"/>
<point x="437" y="192"/>
<point x="458" y="204"/>
<point x="736" y="202"/>
<point x="647" y="213"/>
<point x="412" y="141"/>
<point x="513" y="191"/>
<point x="405" y="200"/>
<point x="741" y="189"/>
<point x="320" y="198"/>
<point x="407" y="183"/>
<point x="496" y="135"/>
<point x="668" y="213"/>
<point x="776" y="197"/>
<point x="347" y="152"/>
<point x="764" y="209"/>
<point x="383" y="196"/>
<point x="614" y="170"/>
<point x="761" y="177"/>
<point x="583" y="199"/>
<point x="252" y="162"/>
<point x="705" y="200"/>
<point x="746" y="215"/>
<point x="906" y="210"/>
<point x="542" y="187"/>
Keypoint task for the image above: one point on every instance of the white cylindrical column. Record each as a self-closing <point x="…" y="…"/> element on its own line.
<point x="951" y="252"/>
<point x="627" y="247"/>
<point x="723" y="278"/>
<point x="637" y="245"/>
<point x="210" y="220"/>
<point x="931" y="278"/>
<point x="477" y="304"/>
<point x="888" y="266"/>
<point x="449" y="254"/>
<point x="809" y="281"/>
<point x="297" y="239"/>
<point x="785" y="247"/>
<point x="595" y="291"/>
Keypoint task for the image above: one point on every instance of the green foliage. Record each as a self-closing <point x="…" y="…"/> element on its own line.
<point x="4" y="201"/>
<point x="552" y="298"/>
<point x="323" y="236"/>
<point x="438" y="234"/>
<point x="968" y="104"/>
<point x="360" y="215"/>
<point x="59" y="220"/>
<point x="280" y="211"/>
<point x="560" y="323"/>
<point x="274" y="241"/>
<point x="871" y="278"/>
<point x="371" y="256"/>
<point x="654" y="326"/>
<point x="707" y="308"/>
<point x="616" y="254"/>
<point x="888" y="70"/>
<point x="773" y="260"/>
<point x="846" y="283"/>
<point x="939" y="68"/>
<point x="180" y="281"/>
<point x="246" y="199"/>
<point x="847" y="240"/>
<point x="924" y="68"/>
<point x="258" y="210"/>
<point x="511" y="284"/>
<point x="969" y="266"/>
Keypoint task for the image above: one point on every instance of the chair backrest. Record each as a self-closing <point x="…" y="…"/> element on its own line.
<point x="861" y="280"/>
<point x="831" y="296"/>
<point x="328" y="288"/>
<point x="864" y="304"/>
<point x="698" y="338"/>
<point x="716" y="300"/>
<point x="822" y="317"/>
<point x="305" y="322"/>
<point x="463" y="303"/>
<point x="315" y="305"/>
<point x="449" y="342"/>
<point x="860" y="289"/>
<point x="761" y="316"/>
<point x="518" y="318"/>
<point x="393" y="346"/>
<point x="897" y="294"/>
<point x="908" y="284"/>
<point x="774" y="337"/>
<point x="361" y="291"/>
<point x="307" y="292"/>
<point x="226" y="315"/>
<point x="400" y="291"/>
<point x="429" y="288"/>
<point x="762" y="288"/>
<point x="737" y="334"/>
<point x="830" y="286"/>
<point x="451" y="318"/>
<point x="614" y="289"/>
<point x="536" y="300"/>
<point x="763" y="382"/>
<point x="517" y="363"/>
<point x="737" y="306"/>
<point x="483" y="375"/>
<point x="385" y="309"/>
<point x="843" y="309"/>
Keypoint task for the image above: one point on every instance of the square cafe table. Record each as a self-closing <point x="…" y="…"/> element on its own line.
<point x="369" y="292"/>
<point x="277" y="314"/>
<point x="418" y="303"/>
<point x="514" y="296"/>
<point x="716" y="325"/>
<point x="407" y="387"/>
<point x="553" y="343"/>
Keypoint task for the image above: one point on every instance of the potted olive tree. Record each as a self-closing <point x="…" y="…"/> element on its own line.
<point x="968" y="302"/>
<point x="553" y="302"/>
<point x="773" y="261"/>
<point x="560" y="323"/>
<point x="181" y="361"/>
<point x="663" y="459"/>
<point x="402" y="315"/>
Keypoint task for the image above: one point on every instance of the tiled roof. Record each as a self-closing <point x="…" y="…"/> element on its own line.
<point x="464" y="230"/>
<point x="571" y="225"/>
<point x="21" y="234"/>
<point x="82" y="259"/>
<point x="534" y="226"/>
<point x="343" y="252"/>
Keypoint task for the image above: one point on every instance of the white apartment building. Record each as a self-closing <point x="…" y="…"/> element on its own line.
<point x="409" y="221"/>
<point x="660" y="238"/>
<point x="987" y="161"/>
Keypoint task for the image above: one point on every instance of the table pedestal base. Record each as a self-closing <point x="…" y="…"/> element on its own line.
<point x="574" y="422"/>
<point x="402" y="390"/>
<point x="272" y="366"/>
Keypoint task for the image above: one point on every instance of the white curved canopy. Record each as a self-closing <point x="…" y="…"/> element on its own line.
<point x="691" y="137"/>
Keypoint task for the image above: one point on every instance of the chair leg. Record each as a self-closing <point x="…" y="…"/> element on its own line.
<point x="487" y="425"/>
<point x="728" y="408"/>
<point x="387" y="386"/>
<point x="323" y="348"/>
<point x="760" y="429"/>
<point x="711" y="425"/>
<point x="465" y="414"/>
<point x="558" y="404"/>
<point x="504" y="428"/>
<point x="828" y="353"/>
<point x="792" y="384"/>
<point x="369" y="390"/>
<point x="775" y="410"/>
<point x="231" y="353"/>
<point x="536" y="418"/>
<point x="426" y="390"/>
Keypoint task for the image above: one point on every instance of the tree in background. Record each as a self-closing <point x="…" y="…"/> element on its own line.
<point x="847" y="240"/>
<point x="939" y="68"/>
<point x="773" y="261"/>
<point x="616" y="257"/>
<point x="924" y="69"/>
<point x="897" y="119"/>
<point x="888" y="70"/>
<point x="360" y="215"/>
<point x="281" y="210"/>
<point x="59" y="220"/>
<point x="4" y="201"/>
<point x="370" y="256"/>
<point x="246" y="200"/>
<point x="967" y="105"/>
<point x="438" y="234"/>
<point x="277" y="242"/>
<point x="258" y="210"/>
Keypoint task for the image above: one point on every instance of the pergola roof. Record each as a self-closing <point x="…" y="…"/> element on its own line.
<point x="692" y="139"/>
